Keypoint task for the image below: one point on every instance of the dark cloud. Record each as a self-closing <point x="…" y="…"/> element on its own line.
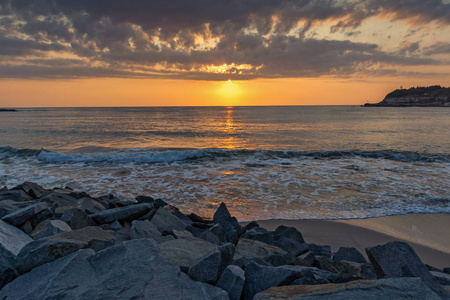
<point x="190" y="38"/>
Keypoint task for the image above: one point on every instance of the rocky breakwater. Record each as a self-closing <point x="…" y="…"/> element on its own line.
<point x="67" y="244"/>
<point x="432" y="96"/>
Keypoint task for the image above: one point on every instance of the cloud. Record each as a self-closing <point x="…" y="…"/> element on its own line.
<point x="199" y="39"/>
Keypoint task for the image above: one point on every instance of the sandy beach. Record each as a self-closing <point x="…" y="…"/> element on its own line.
<point x="428" y="234"/>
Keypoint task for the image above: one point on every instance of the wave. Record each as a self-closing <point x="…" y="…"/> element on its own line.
<point x="162" y="155"/>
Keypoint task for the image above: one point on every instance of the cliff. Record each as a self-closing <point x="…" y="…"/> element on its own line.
<point x="435" y="96"/>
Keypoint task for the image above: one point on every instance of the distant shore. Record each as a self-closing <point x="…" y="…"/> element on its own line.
<point x="426" y="233"/>
<point x="8" y="109"/>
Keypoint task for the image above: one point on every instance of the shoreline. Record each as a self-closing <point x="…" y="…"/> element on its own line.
<point x="426" y="233"/>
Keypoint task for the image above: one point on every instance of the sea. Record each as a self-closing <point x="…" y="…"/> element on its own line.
<point x="290" y="162"/>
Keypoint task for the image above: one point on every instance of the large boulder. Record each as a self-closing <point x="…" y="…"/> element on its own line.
<point x="89" y="205"/>
<point x="130" y="270"/>
<point x="7" y="207"/>
<point x="145" y="230"/>
<point x="223" y="217"/>
<point x="122" y="213"/>
<point x="33" y="189"/>
<point x="398" y="259"/>
<point x="256" y="249"/>
<point x="232" y="281"/>
<point x="76" y="218"/>
<point x="259" y="234"/>
<point x="15" y="195"/>
<point x="185" y="252"/>
<point x="49" y="228"/>
<point x="349" y="254"/>
<point x="19" y="217"/>
<point x="95" y="237"/>
<point x="45" y="250"/>
<point x="59" y="199"/>
<point x="389" y="288"/>
<point x="290" y="233"/>
<point x="209" y="267"/>
<point x="165" y="221"/>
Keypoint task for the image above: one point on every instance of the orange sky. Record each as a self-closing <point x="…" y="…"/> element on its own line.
<point x="165" y="92"/>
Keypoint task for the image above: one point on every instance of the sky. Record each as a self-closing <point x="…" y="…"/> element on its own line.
<point x="221" y="52"/>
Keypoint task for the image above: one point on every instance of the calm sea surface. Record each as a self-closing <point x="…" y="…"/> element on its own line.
<point x="325" y="162"/>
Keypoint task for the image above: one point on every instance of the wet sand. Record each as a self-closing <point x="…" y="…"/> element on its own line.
<point x="428" y="234"/>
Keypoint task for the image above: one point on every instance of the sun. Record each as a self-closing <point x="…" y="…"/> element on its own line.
<point x="229" y="80"/>
<point x="229" y="92"/>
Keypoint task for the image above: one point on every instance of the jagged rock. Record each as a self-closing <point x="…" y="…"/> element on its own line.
<point x="16" y="195"/>
<point x="41" y="216"/>
<point x="89" y="205"/>
<point x="290" y="233"/>
<point x="291" y="246"/>
<point x="130" y="270"/>
<point x="33" y="189"/>
<point x="122" y="213"/>
<point x="183" y="252"/>
<point x="209" y="237"/>
<point x="244" y="261"/>
<point x="19" y="217"/>
<point x="145" y="230"/>
<point x="108" y="201"/>
<point x="160" y="203"/>
<point x="203" y="226"/>
<point x="27" y="228"/>
<point x="177" y="213"/>
<point x="398" y="259"/>
<point x="446" y="270"/>
<point x="259" y="234"/>
<point x="218" y="231"/>
<point x="390" y="288"/>
<point x="164" y="220"/>
<point x="308" y="257"/>
<point x="251" y="225"/>
<point x="76" y="218"/>
<point x="319" y="250"/>
<point x="59" y="199"/>
<point x="7" y="207"/>
<point x="259" y="278"/>
<point x="95" y="237"/>
<point x="364" y="271"/>
<point x="197" y="232"/>
<point x="253" y="249"/>
<point x="210" y="266"/>
<point x="182" y="234"/>
<point x="145" y="199"/>
<point x="324" y="263"/>
<point x="309" y="276"/>
<point x="7" y="271"/>
<point x="197" y="219"/>
<point x="232" y="281"/>
<point x="223" y="217"/>
<point x="349" y="254"/>
<point x="45" y="250"/>
<point x="442" y="278"/>
<point x="49" y="228"/>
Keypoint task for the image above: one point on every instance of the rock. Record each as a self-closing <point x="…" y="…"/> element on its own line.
<point x="7" y="207"/>
<point x="15" y="195"/>
<point x="76" y="218"/>
<point x="197" y="219"/>
<point x="40" y="217"/>
<point x="197" y="232"/>
<point x="318" y="250"/>
<point x="145" y="199"/>
<point x="398" y="259"/>
<point x="183" y="252"/>
<point x="130" y="270"/>
<point x="144" y="230"/>
<point x="175" y="211"/>
<point x="209" y="237"/>
<point x="253" y="249"/>
<point x="164" y="220"/>
<point x="363" y="271"/>
<point x="442" y="278"/>
<point x="290" y="233"/>
<point x="160" y="203"/>
<point x="446" y="270"/>
<point x="223" y="217"/>
<point x="33" y="189"/>
<point x="122" y="213"/>
<point x="182" y="234"/>
<point x="89" y="205"/>
<point x="27" y="228"/>
<point x="324" y="263"/>
<point x="19" y="217"/>
<point x="244" y="261"/>
<point x="259" y="234"/>
<point x="232" y="281"/>
<point x="291" y="246"/>
<point x="95" y="237"/>
<point x="45" y="250"/>
<point x="251" y="225"/>
<point x="259" y="278"/>
<point x="349" y="254"/>
<point x="210" y="266"/>
<point x="308" y="257"/>
<point x="7" y="271"/>
<point x="218" y="231"/>
<point x="59" y="199"/>
<point x="389" y="288"/>
<point x="49" y="228"/>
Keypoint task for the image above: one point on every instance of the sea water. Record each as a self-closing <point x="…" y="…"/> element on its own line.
<point x="310" y="162"/>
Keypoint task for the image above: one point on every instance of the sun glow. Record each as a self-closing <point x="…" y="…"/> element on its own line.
<point x="229" y="92"/>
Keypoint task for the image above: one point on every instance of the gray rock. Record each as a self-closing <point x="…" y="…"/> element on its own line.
<point x="33" y="189"/>
<point x="364" y="271"/>
<point x="49" y="228"/>
<point x="76" y="218"/>
<point x="15" y="195"/>
<point x="89" y="205"/>
<point x="308" y="257"/>
<point x="290" y="233"/>
<point x="19" y="217"/>
<point x="7" y="271"/>
<point x="223" y="217"/>
<point x="145" y="199"/>
<point x="244" y="261"/>
<point x="319" y="250"/>
<point x="254" y="249"/>
<point x="349" y="254"/>
<point x="389" y="288"/>
<point x="45" y="250"/>
<point x="130" y="270"/>
<point x="95" y="237"/>
<point x="7" y="207"/>
<point x="291" y="246"/>
<point x="40" y="217"/>
<point x="232" y="281"/>
<point x="442" y="278"/>
<point x="59" y="199"/>
<point x="259" y="234"/>
<point x="183" y="252"/>
<point x="218" y="231"/>
<point x="446" y="270"/>
<point x="209" y="237"/>
<point x="398" y="259"/>
<point x="324" y="263"/>
<point x="182" y="234"/>
<point x="164" y="220"/>
<point x="122" y="213"/>
<point x="210" y="266"/>
<point x="27" y="228"/>
<point x="259" y="278"/>
<point x="145" y="230"/>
